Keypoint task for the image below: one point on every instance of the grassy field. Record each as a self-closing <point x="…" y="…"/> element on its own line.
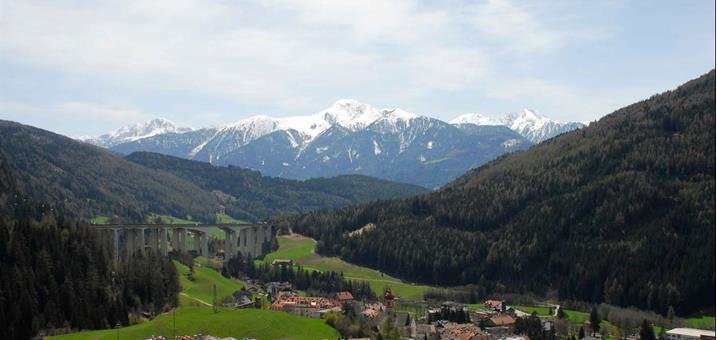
<point x="301" y="250"/>
<point x="238" y="323"/>
<point x="100" y="219"/>
<point x="704" y="322"/>
<point x="224" y="218"/>
<point x="211" y="263"/>
<point x="574" y="316"/>
<point x="201" y="289"/>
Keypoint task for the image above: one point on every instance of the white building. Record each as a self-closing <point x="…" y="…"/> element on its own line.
<point x="689" y="334"/>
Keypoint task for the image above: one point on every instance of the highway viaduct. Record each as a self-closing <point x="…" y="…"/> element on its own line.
<point x="247" y="238"/>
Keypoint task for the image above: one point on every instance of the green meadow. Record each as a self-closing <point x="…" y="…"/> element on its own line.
<point x="573" y="315"/>
<point x="237" y="323"/>
<point x="302" y="250"/>
<point x="201" y="290"/>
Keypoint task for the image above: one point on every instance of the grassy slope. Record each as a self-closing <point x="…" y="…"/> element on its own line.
<point x="100" y="219"/>
<point x="574" y="316"/>
<point x="705" y="322"/>
<point x="238" y="323"/>
<point x="301" y="250"/>
<point x="202" y="286"/>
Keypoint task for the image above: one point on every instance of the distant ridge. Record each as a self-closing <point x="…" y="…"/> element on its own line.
<point x="350" y="137"/>
<point x="78" y="179"/>
<point x="246" y="194"/>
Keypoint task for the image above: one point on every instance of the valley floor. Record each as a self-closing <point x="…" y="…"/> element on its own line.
<point x="301" y="249"/>
<point x="196" y="316"/>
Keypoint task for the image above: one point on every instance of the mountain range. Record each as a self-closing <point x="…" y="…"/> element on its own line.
<point x="349" y="137"/>
<point x="621" y="212"/>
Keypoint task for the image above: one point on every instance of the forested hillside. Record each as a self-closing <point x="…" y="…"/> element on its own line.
<point x="622" y="212"/>
<point x="247" y="194"/>
<point x="84" y="180"/>
<point x="57" y="275"/>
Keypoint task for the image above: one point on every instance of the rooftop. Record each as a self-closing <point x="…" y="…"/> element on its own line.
<point x="691" y="332"/>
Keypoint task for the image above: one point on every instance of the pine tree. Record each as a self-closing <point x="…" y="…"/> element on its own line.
<point x="594" y="320"/>
<point x="646" y="331"/>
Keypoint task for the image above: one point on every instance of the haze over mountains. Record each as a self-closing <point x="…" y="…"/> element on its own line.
<point x="348" y="137"/>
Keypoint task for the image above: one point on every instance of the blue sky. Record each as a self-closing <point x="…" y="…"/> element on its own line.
<point x="84" y="68"/>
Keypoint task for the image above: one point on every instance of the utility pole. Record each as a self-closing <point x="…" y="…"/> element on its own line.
<point x="174" y="322"/>
<point x="214" y="299"/>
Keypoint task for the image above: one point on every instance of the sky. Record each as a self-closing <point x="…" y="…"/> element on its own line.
<point x="83" y="68"/>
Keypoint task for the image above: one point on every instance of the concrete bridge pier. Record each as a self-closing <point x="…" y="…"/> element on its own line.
<point x="204" y="245"/>
<point x="163" y="241"/>
<point x="183" y="240"/>
<point x="256" y="240"/>
<point x="125" y="240"/>
<point x="251" y="239"/>
<point x="140" y="240"/>
<point x="114" y="239"/>
<point x="153" y="241"/>
<point x="242" y="242"/>
<point x="201" y="245"/>
<point x="129" y="242"/>
<point x="175" y="239"/>
<point x="230" y="243"/>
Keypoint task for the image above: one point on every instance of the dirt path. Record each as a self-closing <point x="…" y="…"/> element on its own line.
<point x="199" y="300"/>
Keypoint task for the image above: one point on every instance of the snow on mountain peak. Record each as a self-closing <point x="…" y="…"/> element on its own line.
<point x="350" y="114"/>
<point x="526" y="119"/>
<point x="398" y="114"/>
<point x="146" y="129"/>
<point x="528" y="123"/>
<point x="475" y="118"/>
<point x="137" y="131"/>
<point x="347" y="113"/>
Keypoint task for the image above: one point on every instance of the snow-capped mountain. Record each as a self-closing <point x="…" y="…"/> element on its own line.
<point x="299" y="131"/>
<point x="528" y="123"/>
<point x="350" y="137"/>
<point x="135" y="132"/>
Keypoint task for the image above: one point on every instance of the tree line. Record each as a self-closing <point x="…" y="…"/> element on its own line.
<point x="311" y="281"/>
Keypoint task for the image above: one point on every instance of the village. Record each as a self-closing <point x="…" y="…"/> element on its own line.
<point x="493" y="320"/>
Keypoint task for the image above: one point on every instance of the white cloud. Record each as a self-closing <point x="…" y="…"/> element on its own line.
<point x="525" y="26"/>
<point x="220" y="49"/>
<point x="89" y="113"/>
<point x="97" y="111"/>
<point x="296" y="54"/>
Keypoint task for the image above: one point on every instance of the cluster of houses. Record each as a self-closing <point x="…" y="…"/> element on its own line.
<point x="307" y="306"/>
<point x="449" y="320"/>
<point x="377" y="313"/>
<point x="454" y="321"/>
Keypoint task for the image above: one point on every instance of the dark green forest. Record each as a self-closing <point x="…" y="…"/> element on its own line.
<point x="84" y="181"/>
<point x="248" y="195"/>
<point x="622" y="212"/>
<point x="57" y="275"/>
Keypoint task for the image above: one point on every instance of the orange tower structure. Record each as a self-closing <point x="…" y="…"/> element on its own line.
<point x="389" y="299"/>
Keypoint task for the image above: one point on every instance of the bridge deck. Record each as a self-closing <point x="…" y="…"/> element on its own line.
<point x="179" y="226"/>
